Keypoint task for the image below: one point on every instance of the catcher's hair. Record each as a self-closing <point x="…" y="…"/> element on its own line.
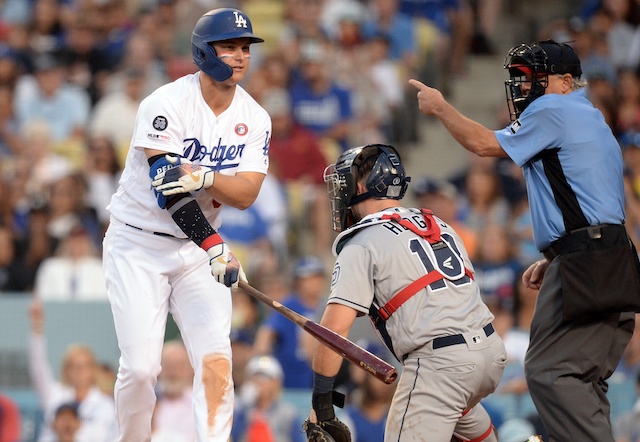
<point x="364" y="168"/>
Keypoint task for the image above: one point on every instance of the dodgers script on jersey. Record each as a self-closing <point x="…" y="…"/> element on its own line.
<point x="364" y="276"/>
<point x="176" y="119"/>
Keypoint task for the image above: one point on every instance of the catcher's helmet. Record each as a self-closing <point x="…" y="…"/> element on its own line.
<point x="378" y="164"/>
<point x="217" y="25"/>
<point x="534" y="63"/>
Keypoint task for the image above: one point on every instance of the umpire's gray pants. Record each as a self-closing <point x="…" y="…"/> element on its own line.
<point x="567" y="365"/>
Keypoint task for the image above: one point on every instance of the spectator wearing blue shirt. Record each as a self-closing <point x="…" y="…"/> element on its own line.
<point x="318" y="103"/>
<point x="284" y="339"/>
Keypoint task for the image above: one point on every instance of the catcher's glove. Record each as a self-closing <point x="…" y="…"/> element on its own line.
<point x="328" y="428"/>
<point x="332" y="430"/>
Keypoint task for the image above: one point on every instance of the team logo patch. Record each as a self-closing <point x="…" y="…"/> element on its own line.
<point x="162" y="137"/>
<point x="241" y="129"/>
<point x="335" y="274"/>
<point x="160" y="123"/>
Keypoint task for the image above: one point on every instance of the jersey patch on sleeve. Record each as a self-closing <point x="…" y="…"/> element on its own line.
<point x="515" y="126"/>
<point x="160" y="123"/>
<point x="162" y="137"/>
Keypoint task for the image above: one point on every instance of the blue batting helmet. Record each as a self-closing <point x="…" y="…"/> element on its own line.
<point x="217" y="25"/>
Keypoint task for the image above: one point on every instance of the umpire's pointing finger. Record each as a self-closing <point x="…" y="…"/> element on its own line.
<point x="429" y="99"/>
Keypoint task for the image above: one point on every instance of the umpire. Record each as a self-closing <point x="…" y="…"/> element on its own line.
<point x="589" y="280"/>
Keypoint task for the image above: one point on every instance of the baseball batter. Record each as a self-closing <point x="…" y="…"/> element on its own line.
<point x="410" y="272"/>
<point x="198" y="143"/>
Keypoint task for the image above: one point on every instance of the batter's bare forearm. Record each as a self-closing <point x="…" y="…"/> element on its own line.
<point x="239" y="191"/>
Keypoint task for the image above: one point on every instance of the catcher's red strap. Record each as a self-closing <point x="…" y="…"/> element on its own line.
<point x="403" y="295"/>
<point x="432" y="234"/>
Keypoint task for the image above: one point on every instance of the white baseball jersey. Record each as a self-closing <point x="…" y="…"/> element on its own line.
<point x="176" y="119"/>
<point x="382" y="258"/>
<point x="149" y="276"/>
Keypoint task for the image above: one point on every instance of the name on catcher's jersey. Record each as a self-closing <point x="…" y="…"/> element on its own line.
<point x="176" y="119"/>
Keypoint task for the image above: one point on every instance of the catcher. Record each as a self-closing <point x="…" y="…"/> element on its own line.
<point x="410" y="272"/>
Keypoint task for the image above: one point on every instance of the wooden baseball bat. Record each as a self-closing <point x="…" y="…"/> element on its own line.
<point x="344" y="347"/>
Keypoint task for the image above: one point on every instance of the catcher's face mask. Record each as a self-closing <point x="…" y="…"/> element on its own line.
<point x="529" y="77"/>
<point x="385" y="179"/>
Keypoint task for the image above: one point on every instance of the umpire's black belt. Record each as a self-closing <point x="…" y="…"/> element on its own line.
<point x="446" y="341"/>
<point x="598" y="237"/>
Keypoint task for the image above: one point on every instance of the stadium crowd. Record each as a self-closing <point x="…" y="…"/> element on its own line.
<point x="332" y="74"/>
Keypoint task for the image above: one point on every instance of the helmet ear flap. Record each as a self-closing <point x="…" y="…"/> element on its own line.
<point x="208" y="61"/>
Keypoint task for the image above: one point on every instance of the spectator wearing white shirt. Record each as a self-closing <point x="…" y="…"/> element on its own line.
<point x="74" y="273"/>
<point x="173" y="417"/>
<point x="77" y="385"/>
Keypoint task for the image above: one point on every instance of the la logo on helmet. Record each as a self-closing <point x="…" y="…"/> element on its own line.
<point x="241" y="22"/>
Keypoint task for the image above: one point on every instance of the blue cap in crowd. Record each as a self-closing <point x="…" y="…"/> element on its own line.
<point x="309" y="266"/>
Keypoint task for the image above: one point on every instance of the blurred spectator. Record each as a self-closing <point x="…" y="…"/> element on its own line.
<point x="115" y="113"/>
<point x="516" y="430"/>
<point x="66" y="210"/>
<point x="173" y="417"/>
<point x="366" y="412"/>
<point x="385" y="18"/>
<point x="485" y="18"/>
<point x="9" y="266"/>
<point x="496" y="266"/>
<point x="77" y="384"/>
<point x="87" y="64"/>
<point x="441" y="198"/>
<point x="39" y="163"/>
<point x="106" y="378"/>
<point x="33" y="245"/>
<point x="47" y="95"/>
<point x="484" y="201"/>
<point x="101" y="173"/>
<point x="74" y="273"/>
<point x="66" y="423"/>
<point x="516" y="337"/>
<point x="247" y="234"/>
<point x="45" y="27"/>
<point x="386" y="78"/>
<point x="114" y="26"/>
<point x="445" y="28"/>
<point x="271" y="203"/>
<point x="594" y="59"/>
<point x="11" y="66"/>
<point x="318" y="103"/>
<point x="521" y="233"/>
<point x="261" y="415"/>
<point x="139" y="56"/>
<point x="283" y="338"/>
<point x="628" y="102"/>
<point x="10" y="142"/>
<point x="246" y="317"/>
<point x="10" y="420"/>
<point x="618" y="19"/>
<point x="629" y="366"/>
<point x="632" y="207"/>
<point x="297" y="161"/>
<point x="302" y="23"/>
<point x="627" y="427"/>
